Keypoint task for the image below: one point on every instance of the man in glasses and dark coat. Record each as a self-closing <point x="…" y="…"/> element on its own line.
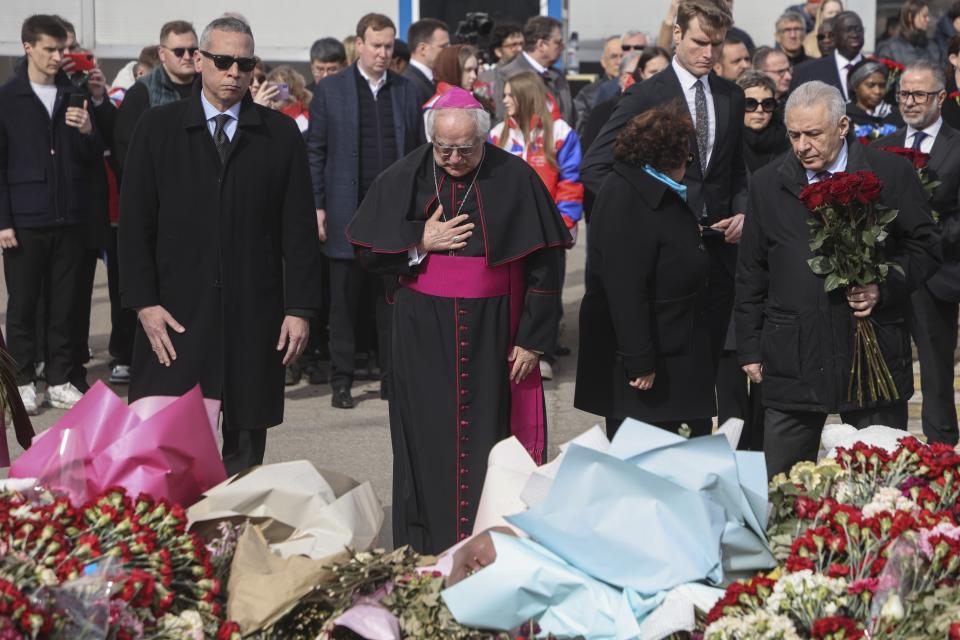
<point x="218" y="246"/>
<point x="471" y="239"/>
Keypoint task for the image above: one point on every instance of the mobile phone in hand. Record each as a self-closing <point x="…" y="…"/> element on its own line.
<point x="283" y="92"/>
<point x="81" y="61"/>
<point x="77" y="100"/>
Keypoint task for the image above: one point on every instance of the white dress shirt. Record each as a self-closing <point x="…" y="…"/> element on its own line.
<point x="839" y="165"/>
<point x="688" y="82"/>
<point x="843" y="71"/>
<point x="424" y="69"/>
<point x="926" y="145"/>
<point x="375" y="85"/>
<point x="210" y="112"/>
<point x="539" y="68"/>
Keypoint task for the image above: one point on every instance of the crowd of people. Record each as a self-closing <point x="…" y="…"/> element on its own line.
<point x="405" y="215"/>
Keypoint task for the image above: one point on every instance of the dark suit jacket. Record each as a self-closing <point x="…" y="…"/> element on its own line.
<point x="424" y="87"/>
<point x="723" y="186"/>
<point x="943" y="166"/>
<point x="822" y="69"/>
<point x="333" y="146"/>
<point x="556" y="85"/>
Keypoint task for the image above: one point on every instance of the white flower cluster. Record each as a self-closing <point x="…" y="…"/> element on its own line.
<point x="759" y="625"/>
<point x="814" y="594"/>
<point x="188" y="625"/>
<point x="888" y="499"/>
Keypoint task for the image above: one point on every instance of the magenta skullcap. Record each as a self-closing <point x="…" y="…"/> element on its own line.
<point x="457" y="98"/>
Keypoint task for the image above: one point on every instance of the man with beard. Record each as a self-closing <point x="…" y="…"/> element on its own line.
<point x="791" y="334"/>
<point x="833" y="69"/>
<point x="933" y="307"/>
<point x="471" y="236"/>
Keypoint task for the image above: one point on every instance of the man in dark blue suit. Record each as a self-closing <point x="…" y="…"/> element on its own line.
<point x="361" y="120"/>
<point x="833" y="69"/>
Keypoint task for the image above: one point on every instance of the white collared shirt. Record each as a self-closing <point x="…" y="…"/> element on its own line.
<point x="539" y="68"/>
<point x="839" y="165"/>
<point x="210" y="112"/>
<point x="843" y="71"/>
<point x="926" y="145"/>
<point x="688" y="82"/>
<point x="375" y="85"/>
<point x="424" y="69"/>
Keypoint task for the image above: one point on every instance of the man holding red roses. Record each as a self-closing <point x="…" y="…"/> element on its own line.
<point x="791" y="333"/>
<point x="935" y="148"/>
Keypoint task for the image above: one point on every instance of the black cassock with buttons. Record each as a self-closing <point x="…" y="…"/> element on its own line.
<point x="450" y="395"/>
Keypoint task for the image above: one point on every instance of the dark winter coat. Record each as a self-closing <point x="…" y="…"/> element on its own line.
<point x="944" y="167"/>
<point x="785" y="320"/>
<point x="644" y="307"/>
<point x="43" y="162"/>
<point x="228" y="251"/>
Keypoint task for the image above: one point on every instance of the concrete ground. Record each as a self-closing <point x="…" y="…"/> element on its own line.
<point x="357" y="442"/>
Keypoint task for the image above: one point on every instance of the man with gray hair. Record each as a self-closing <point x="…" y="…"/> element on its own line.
<point x="934" y="306"/>
<point x="791" y="334"/>
<point x="218" y="246"/>
<point x="470" y="239"/>
<point x="585" y="101"/>
<point x="790" y="32"/>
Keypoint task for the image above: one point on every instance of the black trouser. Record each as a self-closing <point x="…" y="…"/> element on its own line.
<point x="123" y="322"/>
<point x="86" y="273"/>
<point x="696" y="426"/>
<point x="550" y="355"/>
<point x="54" y="254"/>
<point x="242" y="448"/>
<point x="738" y="398"/>
<point x="933" y="326"/>
<point x="347" y="279"/>
<point x="794" y="436"/>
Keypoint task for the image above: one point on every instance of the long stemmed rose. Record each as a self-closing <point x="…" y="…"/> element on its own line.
<point x="847" y="230"/>
<point x="920" y="161"/>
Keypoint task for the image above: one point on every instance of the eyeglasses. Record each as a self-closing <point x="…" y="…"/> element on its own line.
<point x="223" y="63"/>
<point x="632" y="47"/>
<point x="792" y="30"/>
<point x="780" y="72"/>
<point x="824" y="36"/>
<point x="919" y="97"/>
<point x="752" y="104"/>
<point x="179" y="51"/>
<point x="446" y="150"/>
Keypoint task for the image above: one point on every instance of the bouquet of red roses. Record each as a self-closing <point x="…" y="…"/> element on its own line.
<point x="919" y="160"/>
<point x="847" y="230"/>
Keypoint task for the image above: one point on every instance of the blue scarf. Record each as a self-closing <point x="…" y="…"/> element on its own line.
<point x="667" y="180"/>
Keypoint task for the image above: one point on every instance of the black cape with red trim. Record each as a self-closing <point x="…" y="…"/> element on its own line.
<point x="518" y="214"/>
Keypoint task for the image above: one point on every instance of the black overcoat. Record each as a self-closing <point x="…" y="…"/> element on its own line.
<point x="226" y="250"/>
<point x="943" y="166"/>
<point x="644" y="307"/>
<point x="785" y="320"/>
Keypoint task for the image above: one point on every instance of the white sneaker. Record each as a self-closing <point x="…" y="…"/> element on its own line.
<point x="546" y="371"/>
<point x="28" y="394"/>
<point x="63" y="396"/>
<point x="120" y="374"/>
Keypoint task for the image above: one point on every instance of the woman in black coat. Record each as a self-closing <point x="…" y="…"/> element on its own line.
<point x="644" y="340"/>
<point x="764" y="135"/>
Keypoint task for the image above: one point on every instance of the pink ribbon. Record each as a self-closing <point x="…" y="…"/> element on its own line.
<point x="459" y="277"/>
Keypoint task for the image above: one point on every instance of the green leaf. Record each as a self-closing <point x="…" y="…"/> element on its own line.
<point x="870" y="236"/>
<point x="886" y="216"/>
<point x="820" y="265"/>
<point x="898" y="269"/>
<point x="834" y="281"/>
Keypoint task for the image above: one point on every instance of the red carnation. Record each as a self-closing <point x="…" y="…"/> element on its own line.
<point x="833" y="626"/>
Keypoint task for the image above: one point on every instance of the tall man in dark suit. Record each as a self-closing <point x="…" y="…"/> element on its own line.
<point x="791" y="334"/>
<point x="833" y="69"/>
<point x="361" y="120"/>
<point x="218" y="246"/>
<point x="542" y="48"/>
<point x="426" y="39"/>
<point x="933" y="307"/>
<point x="716" y="179"/>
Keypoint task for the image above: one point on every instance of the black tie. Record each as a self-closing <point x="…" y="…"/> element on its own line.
<point x="918" y="138"/>
<point x="703" y="124"/>
<point x="220" y="136"/>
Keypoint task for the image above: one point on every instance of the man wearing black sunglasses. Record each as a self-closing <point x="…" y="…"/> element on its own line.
<point x="219" y="252"/>
<point x="169" y="82"/>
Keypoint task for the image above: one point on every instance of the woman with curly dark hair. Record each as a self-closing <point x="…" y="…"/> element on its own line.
<point x="644" y="339"/>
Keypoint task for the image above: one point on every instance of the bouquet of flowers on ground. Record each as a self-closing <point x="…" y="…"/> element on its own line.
<point x="919" y="160"/>
<point x="869" y="545"/>
<point x="126" y="568"/>
<point x="847" y="231"/>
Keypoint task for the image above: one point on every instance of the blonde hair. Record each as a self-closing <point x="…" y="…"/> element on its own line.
<point x="350" y="46"/>
<point x="530" y="96"/>
<point x="294" y="80"/>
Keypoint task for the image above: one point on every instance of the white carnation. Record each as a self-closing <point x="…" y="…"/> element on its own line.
<point x="888" y="499"/>
<point x="759" y="624"/>
<point x="807" y="591"/>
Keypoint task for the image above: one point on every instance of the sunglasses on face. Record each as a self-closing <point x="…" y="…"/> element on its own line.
<point x="632" y="47"/>
<point x="767" y="104"/>
<point x="223" y="63"/>
<point x="179" y="51"/>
